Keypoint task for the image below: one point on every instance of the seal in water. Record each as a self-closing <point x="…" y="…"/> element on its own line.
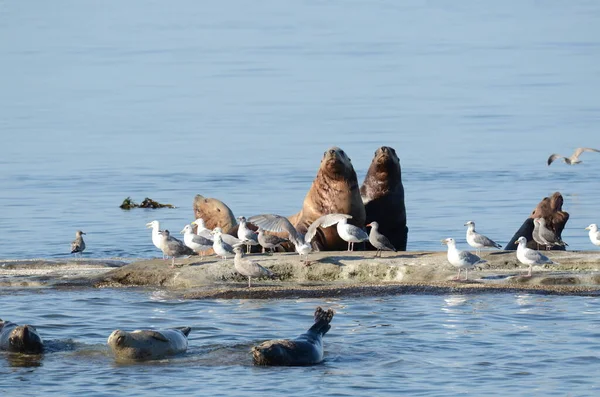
<point x="20" y="338"/>
<point x="334" y="190"/>
<point x="148" y="344"/>
<point x="382" y="193"/>
<point x="307" y="349"/>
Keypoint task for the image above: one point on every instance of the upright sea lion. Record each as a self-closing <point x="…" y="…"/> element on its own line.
<point x="550" y="208"/>
<point x="382" y="193"/>
<point x="307" y="349"/>
<point x="334" y="190"/>
<point x="214" y="212"/>
<point x="20" y="338"/>
<point x="148" y="344"/>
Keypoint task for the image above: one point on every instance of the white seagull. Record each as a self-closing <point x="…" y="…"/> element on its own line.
<point x="594" y="234"/>
<point x="461" y="259"/>
<point x="530" y="257"/>
<point x="302" y="242"/>
<point x="477" y="240"/>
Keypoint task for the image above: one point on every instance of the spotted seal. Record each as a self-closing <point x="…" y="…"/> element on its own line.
<point x="20" y="338"/>
<point x="148" y="344"/>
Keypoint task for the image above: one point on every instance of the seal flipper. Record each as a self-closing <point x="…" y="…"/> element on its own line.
<point x="322" y="320"/>
<point x="185" y="330"/>
<point x="158" y="336"/>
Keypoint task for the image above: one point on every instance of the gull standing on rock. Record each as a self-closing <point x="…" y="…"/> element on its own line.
<point x="220" y="247"/>
<point x="544" y="236"/>
<point x="461" y="259"/>
<point x="197" y="243"/>
<point x="351" y="234"/>
<point x="269" y="241"/>
<point x="172" y="247"/>
<point x="594" y="234"/>
<point x="156" y="238"/>
<point x="574" y="159"/>
<point x="245" y="234"/>
<point x="247" y="267"/>
<point x="530" y="257"/>
<point x="278" y="223"/>
<point x="378" y="240"/>
<point x="477" y="240"/>
<point x="201" y="229"/>
<point x="78" y="245"/>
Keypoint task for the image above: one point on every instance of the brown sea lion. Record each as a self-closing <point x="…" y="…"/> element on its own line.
<point x="334" y="190"/>
<point x="307" y="349"/>
<point x="550" y="208"/>
<point x="214" y="212"/>
<point x="382" y="193"/>
<point x="20" y="338"/>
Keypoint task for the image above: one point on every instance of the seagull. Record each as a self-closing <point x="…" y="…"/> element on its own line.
<point x="350" y="233"/>
<point x="202" y="230"/>
<point x="544" y="236"/>
<point x="269" y="241"/>
<point x="594" y="234"/>
<point x="530" y="257"/>
<point x="78" y="245"/>
<point x="574" y="159"/>
<point x="197" y="243"/>
<point x="302" y="242"/>
<point x="171" y="246"/>
<point x="461" y="259"/>
<point x="220" y="247"/>
<point x="245" y="234"/>
<point x="477" y="240"/>
<point x="378" y="240"/>
<point x="247" y="267"/>
<point x="156" y="239"/>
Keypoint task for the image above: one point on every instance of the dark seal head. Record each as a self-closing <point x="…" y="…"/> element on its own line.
<point x="334" y="190"/>
<point x="307" y="349"/>
<point x="382" y="193"/>
<point x="20" y="338"/>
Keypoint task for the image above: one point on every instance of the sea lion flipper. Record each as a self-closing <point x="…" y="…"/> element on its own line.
<point x="158" y="336"/>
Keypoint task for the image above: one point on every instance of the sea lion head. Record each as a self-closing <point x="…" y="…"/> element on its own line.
<point x="386" y="162"/>
<point x="214" y="212"/>
<point x="337" y="163"/>
<point x="118" y="339"/>
<point x="556" y="201"/>
<point x="25" y="338"/>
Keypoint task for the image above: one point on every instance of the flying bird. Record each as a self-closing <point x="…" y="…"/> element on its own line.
<point x="574" y="159"/>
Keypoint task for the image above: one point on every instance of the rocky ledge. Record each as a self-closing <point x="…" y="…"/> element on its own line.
<point x="329" y="274"/>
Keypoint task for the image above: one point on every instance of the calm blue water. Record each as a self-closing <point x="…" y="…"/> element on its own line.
<point x="518" y="345"/>
<point x="239" y="99"/>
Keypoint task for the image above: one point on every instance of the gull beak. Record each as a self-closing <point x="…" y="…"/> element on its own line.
<point x="368" y="224"/>
<point x="444" y="241"/>
<point x="587" y="228"/>
<point x="148" y="225"/>
<point x="182" y="231"/>
<point x="517" y="242"/>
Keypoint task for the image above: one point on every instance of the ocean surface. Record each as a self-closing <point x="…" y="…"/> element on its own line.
<point x="238" y="100"/>
<point x="428" y="345"/>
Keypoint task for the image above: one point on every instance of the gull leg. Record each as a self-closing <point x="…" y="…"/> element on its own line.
<point x="249" y="284"/>
<point x="466" y="274"/>
<point x="457" y="275"/>
<point x="529" y="272"/>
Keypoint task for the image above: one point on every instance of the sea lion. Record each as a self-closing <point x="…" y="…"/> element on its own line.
<point x="382" y="194"/>
<point x="307" y="349"/>
<point x="334" y="190"/>
<point x="148" y="344"/>
<point x="550" y="208"/>
<point x="215" y="213"/>
<point x="20" y="338"/>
